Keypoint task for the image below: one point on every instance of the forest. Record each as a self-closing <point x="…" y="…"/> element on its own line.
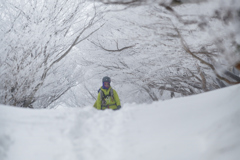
<point x="56" y="52"/>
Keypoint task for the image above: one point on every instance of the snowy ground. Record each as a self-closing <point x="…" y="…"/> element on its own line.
<point x="201" y="127"/>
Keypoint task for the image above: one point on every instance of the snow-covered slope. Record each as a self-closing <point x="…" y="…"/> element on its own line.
<point x="201" y="127"/>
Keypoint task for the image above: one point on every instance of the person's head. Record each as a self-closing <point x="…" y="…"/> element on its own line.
<point x="106" y="82"/>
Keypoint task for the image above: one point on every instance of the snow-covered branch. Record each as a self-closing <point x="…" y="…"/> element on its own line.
<point x="39" y="37"/>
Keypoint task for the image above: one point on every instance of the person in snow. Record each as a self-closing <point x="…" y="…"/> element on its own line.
<point x="107" y="97"/>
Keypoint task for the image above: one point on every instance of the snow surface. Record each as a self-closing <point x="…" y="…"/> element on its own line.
<point x="200" y="127"/>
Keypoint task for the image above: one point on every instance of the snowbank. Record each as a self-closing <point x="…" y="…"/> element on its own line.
<point x="200" y="127"/>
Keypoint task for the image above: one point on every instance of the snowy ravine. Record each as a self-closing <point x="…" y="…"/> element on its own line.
<point x="201" y="127"/>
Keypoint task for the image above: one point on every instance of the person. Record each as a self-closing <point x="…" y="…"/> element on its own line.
<point x="107" y="96"/>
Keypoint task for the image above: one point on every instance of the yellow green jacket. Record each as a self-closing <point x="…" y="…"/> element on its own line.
<point x="110" y="102"/>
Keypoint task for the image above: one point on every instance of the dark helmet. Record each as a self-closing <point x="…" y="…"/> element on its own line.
<point x="106" y="79"/>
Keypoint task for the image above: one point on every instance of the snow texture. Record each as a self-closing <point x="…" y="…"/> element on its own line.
<point x="199" y="127"/>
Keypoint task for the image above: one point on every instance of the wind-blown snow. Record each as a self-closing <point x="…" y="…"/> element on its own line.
<point x="201" y="127"/>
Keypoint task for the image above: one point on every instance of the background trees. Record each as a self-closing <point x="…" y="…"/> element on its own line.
<point x="37" y="44"/>
<point x="160" y="50"/>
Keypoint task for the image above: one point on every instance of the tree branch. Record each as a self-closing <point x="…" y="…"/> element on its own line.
<point x="112" y="50"/>
<point x="187" y="49"/>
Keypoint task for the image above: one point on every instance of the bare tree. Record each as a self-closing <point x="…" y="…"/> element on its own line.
<point x="38" y="38"/>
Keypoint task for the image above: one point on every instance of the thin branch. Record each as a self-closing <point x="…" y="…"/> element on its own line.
<point x="109" y="2"/>
<point x="204" y="82"/>
<point x="112" y="50"/>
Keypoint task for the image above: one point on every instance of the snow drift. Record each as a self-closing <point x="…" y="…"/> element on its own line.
<point x="200" y="127"/>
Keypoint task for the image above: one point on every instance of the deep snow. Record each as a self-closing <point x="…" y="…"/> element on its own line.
<point x="200" y="127"/>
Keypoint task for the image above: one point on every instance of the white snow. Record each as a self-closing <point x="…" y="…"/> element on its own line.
<point x="200" y="127"/>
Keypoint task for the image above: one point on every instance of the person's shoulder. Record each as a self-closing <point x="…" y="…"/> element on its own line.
<point x="114" y="90"/>
<point x="100" y="89"/>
